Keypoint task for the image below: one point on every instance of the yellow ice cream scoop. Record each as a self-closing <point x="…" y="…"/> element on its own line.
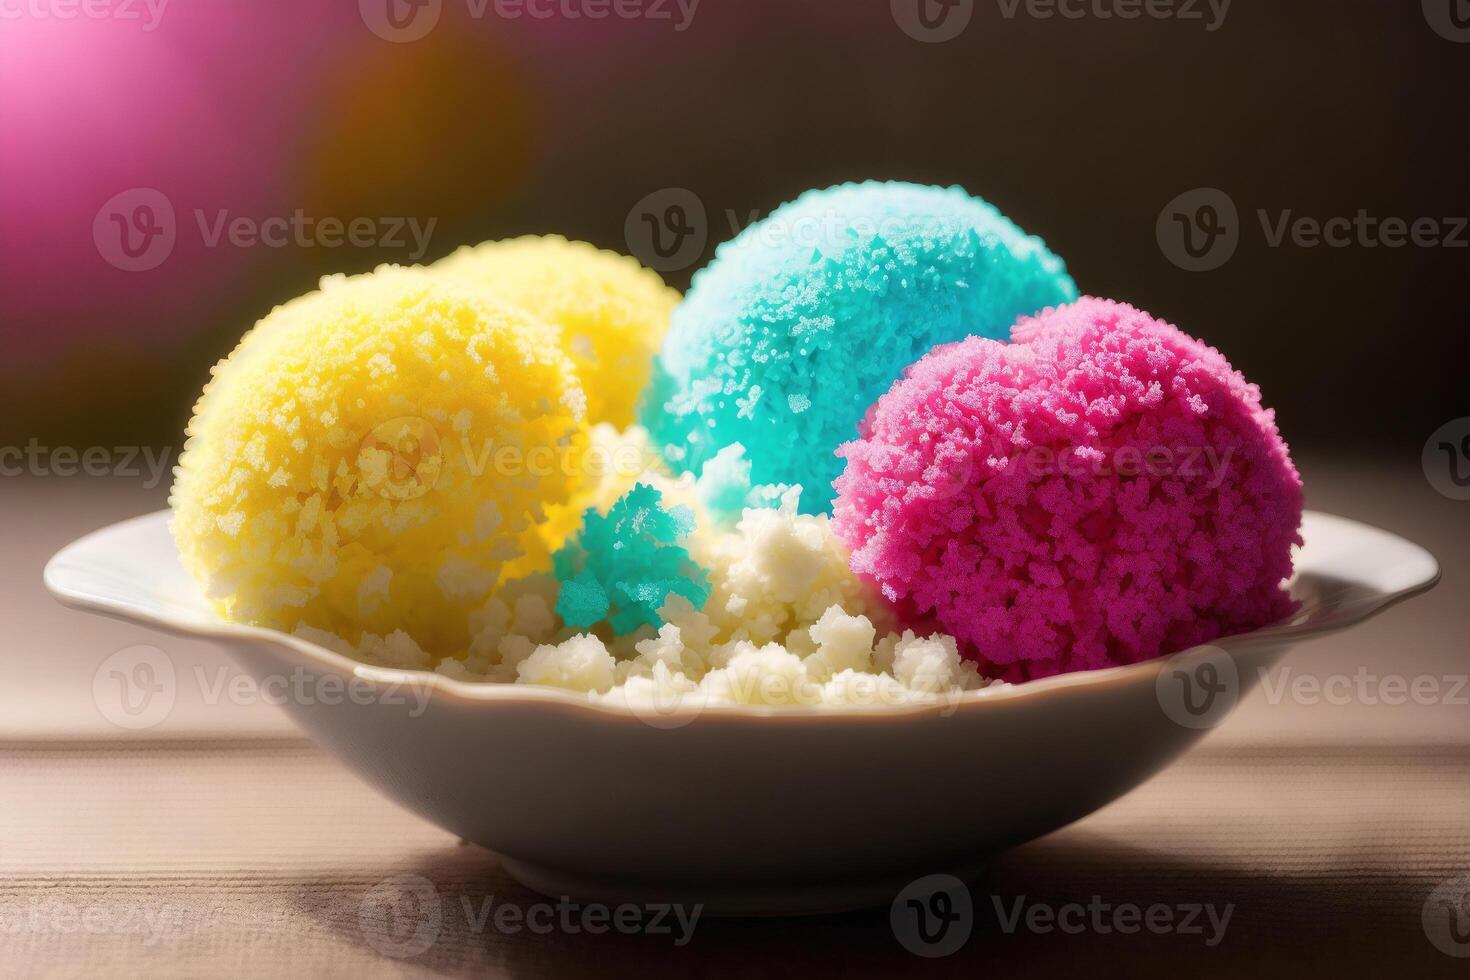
<point x="377" y="456"/>
<point x="612" y="311"/>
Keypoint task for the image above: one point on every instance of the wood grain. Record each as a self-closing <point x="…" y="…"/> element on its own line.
<point x="261" y="857"/>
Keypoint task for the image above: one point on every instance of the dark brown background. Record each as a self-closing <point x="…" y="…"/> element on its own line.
<point x="1080" y="130"/>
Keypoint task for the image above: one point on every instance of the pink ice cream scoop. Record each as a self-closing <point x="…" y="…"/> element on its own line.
<point x="1103" y="490"/>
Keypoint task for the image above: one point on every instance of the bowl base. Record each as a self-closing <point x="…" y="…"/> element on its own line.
<point x="727" y="899"/>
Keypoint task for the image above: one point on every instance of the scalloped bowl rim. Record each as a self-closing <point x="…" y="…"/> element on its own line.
<point x="60" y="566"/>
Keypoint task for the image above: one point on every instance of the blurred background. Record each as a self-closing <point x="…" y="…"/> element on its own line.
<point x="508" y="117"/>
<point x="1284" y="180"/>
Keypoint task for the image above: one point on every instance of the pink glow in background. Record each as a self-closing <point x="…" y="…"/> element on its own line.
<point x="493" y="126"/>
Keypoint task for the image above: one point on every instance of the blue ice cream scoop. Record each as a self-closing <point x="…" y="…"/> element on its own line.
<point x="802" y="320"/>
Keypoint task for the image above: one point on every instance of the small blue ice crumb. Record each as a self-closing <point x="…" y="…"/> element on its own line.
<point x="725" y="489"/>
<point x="624" y="565"/>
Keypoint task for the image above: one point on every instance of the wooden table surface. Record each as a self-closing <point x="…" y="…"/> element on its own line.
<point x="1304" y="835"/>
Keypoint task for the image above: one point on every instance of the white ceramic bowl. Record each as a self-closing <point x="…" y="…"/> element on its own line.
<point x="750" y="809"/>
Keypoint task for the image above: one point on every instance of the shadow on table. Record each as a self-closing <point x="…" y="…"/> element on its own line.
<point x="1109" y="908"/>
